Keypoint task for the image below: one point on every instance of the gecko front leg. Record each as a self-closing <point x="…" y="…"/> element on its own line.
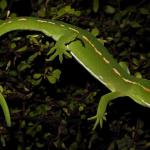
<point x="60" y="48"/>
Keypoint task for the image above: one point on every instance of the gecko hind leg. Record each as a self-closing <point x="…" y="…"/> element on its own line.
<point x="101" y="110"/>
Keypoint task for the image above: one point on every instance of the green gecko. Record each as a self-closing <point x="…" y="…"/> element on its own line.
<point x="91" y="54"/>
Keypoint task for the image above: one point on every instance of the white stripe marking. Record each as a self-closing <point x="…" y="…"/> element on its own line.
<point x="147" y="104"/>
<point x="50" y="22"/>
<point x="146" y="89"/>
<point x="116" y="71"/>
<point x="74" y="30"/>
<point x="62" y="25"/>
<point x="101" y="80"/>
<point x="96" y="50"/>
<point x="129" y="81"/>
<point x="22" y="19"/>
<point x="106" y="61"/>
<point x="43" y="21"/>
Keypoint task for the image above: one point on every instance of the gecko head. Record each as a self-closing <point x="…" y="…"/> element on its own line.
<point x="140" y="93"/>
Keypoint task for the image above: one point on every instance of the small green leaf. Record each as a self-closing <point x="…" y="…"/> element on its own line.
<point x="144" y="11"/>
<point x="110" y="9"/>
<point x="95" y="31"/>
<point x="22" y="66"/>
<point x="33" y="39"/>
<point x="33" y="57"/>
<point x="56" y="73"/>
<point x="138" y="75"/>
<point x="22" y="49"/>
<point x="37" y="75"/>
<point x="67" y="10"/>
<point x="134" y="24"/>
<point x="135" y="61"/>
<point x="51" y="79"/>
<point x="77" y="13"/>
<point x="124" y="66"/>
<point x="8" y="65"/>
<point x="1" y="89"/>
<point x="81" y="108"/>
<point x="23" y="124"/>
<point x="63" y="10"/>
<point x="3" y="4"/>
<point x="13" y="45"/>
<point x="54" y="76"/>
<point x="36" y="82"/>
<point x="95" y="5"/>
<point x="2" y="141"/>
<point x="42" y="12"/>
<point x="39" y="145"/>
<point x="13" y="73"/>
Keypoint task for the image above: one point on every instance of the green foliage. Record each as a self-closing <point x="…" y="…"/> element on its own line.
<point x="109" y="9"/>
<point x="95" y="5"/>
<point x="50" y="102"/>
<point x="67" y="10"/>
<point x="54" y="76"/>
<point x="1" y="89"/>
<point x="3" y="5"/>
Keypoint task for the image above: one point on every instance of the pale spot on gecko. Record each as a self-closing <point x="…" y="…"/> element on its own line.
<point x="22" y="19"/>
<point x="101" y="80"/>
<point x="129" y="81"/>
<point x="84" y="37"/>
<point x="62" y="25"/>
<point x="96" y="50"/>
<point x="116" y="71"/>
<point x="147" y="104"/>
<point x="146" y="89"/>
<point x="43" y="21"/>
<point x="74" y="30"/>
<point x="100" y="77"/>
<point x="106" y="61"/>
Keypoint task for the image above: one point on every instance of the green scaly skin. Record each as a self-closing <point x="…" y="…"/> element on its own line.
<point x="91" y="54"/>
